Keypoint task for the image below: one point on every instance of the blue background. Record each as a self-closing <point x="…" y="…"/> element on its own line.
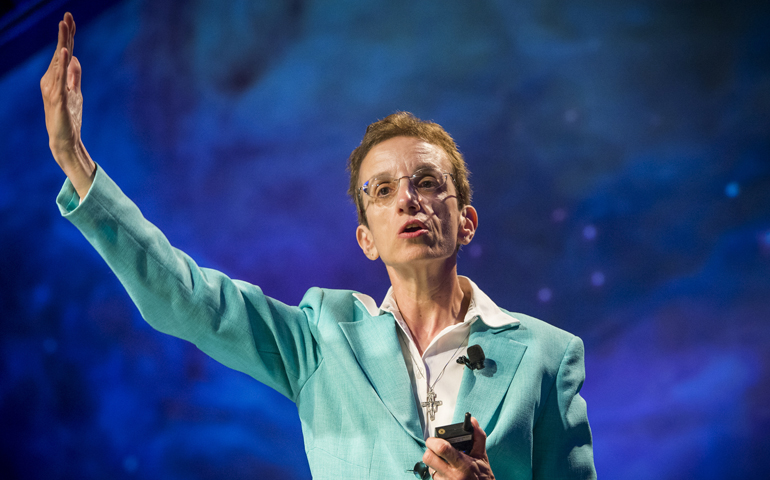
<point x="620" y="153"/>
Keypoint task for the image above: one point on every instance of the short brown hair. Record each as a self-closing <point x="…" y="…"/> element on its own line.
<point x="404" y="124"/>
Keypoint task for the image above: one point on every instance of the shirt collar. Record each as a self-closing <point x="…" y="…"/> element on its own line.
<point x="481" y="306"/>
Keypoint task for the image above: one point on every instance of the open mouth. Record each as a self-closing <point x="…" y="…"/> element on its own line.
<point x="413" y="228"/>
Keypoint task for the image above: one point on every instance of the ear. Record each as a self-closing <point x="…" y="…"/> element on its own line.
<point x="469" y="222"/>
<point x="366" y="242"/>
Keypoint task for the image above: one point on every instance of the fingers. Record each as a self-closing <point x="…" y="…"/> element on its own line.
<point x="70" y="22"/>
<point x="53" y="66"/>
<point x="63" y="36"/>
<point x="61" y="71"/>
<point x="57" y="67"/>
<point x="59" y="74"/>
<point x="440" y="453"/>
<point x="447" y="462"/>
<point x="66" y="36"/>
<point x="479" y="449"/>
<point x="436" y="463"/>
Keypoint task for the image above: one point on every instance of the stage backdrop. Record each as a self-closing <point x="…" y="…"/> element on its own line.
<point x="620" y="160"/>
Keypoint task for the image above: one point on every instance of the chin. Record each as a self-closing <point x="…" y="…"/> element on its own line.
<point x="424" y="254"/>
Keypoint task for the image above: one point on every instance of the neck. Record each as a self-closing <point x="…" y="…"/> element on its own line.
<point x="430" y="300"/>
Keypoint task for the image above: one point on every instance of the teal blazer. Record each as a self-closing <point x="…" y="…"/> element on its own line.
<point x="342" y="365"/>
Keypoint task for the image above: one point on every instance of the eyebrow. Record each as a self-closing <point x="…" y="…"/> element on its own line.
<point x="420" y="166"/>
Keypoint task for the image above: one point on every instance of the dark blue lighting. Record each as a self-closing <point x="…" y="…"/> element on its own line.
<point x="618" y="152"/>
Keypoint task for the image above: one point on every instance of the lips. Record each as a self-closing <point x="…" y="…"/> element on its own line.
<point x="412" y="228"/>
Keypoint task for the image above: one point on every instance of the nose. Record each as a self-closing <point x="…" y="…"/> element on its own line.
<point x="407" y="197"/>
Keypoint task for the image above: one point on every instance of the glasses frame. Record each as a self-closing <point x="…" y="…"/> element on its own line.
<point x="411" y="178"/>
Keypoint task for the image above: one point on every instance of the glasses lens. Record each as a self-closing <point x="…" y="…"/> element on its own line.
<point x="382" y="187"/>
<point x="427" y="181"/>
<point x="385" y="187"/>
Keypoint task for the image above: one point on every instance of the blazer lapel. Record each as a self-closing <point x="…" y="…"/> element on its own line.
<point x="482" y="391"/>
<point x="374" y="342"/>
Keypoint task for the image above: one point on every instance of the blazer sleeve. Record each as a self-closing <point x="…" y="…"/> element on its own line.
<point x="230" y="320"/>
<point x="562" y="444"/>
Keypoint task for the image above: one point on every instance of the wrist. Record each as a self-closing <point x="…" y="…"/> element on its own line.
<point x="78" y="166"/>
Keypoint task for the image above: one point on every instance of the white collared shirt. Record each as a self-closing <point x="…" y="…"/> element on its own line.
<point x="441" y="354"/>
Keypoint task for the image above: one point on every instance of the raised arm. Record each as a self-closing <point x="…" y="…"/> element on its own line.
<point x="63" y="103"/>
<point x="229" y="320"/>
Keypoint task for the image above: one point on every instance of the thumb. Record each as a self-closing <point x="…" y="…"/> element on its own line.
<point x="74" y="73"/>
<point x="479" y="449"/>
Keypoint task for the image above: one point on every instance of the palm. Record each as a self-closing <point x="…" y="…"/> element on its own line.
<point x="62" y="98"/>
<point x="63" y="103"/>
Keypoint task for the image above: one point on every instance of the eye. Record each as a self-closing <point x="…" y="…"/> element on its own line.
<point x="428" y="181"/>
<point x="383" y="189"/>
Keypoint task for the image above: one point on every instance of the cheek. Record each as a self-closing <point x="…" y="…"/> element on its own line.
<point x="379" y="231"/>
<point x="449" y="225"/>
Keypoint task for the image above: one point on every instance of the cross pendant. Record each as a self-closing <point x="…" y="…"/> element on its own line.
<point x="431" y="405"/>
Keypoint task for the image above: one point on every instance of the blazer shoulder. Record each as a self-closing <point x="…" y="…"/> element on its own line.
<point x="541" y="335"/>
<point x="332" y="305"/>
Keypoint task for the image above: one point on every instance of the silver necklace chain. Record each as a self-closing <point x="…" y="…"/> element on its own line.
<point x="432" y="403"/>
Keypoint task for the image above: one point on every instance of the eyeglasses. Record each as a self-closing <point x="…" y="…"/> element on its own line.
<point x="382" y="189"/>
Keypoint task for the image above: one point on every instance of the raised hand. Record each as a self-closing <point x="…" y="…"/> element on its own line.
<point x="63" y="103"/>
